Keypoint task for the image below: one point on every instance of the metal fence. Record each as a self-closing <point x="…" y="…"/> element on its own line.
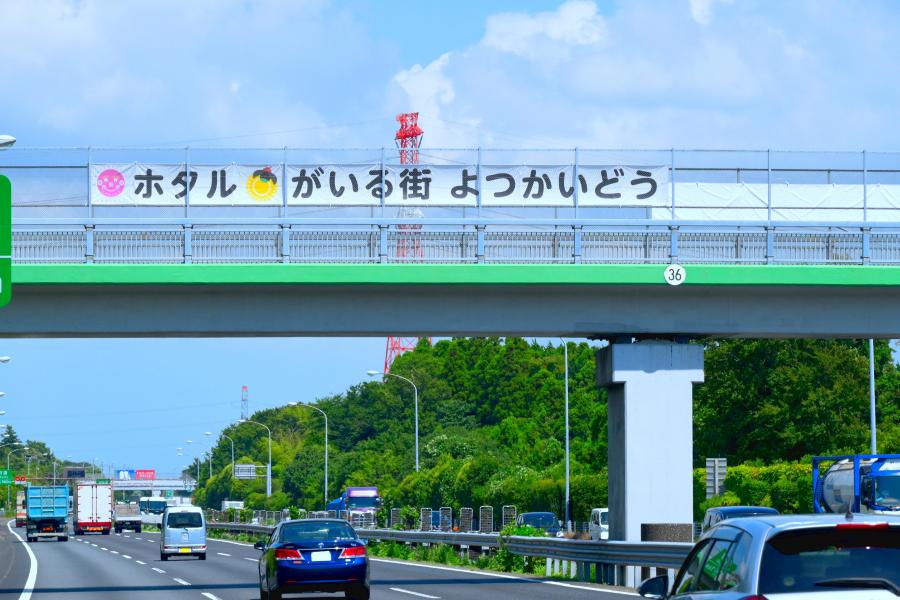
<point x="487" y="243"/>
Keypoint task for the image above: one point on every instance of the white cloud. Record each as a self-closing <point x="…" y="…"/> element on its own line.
<point x="701" y="10"/>
<point x="800" y="75"/>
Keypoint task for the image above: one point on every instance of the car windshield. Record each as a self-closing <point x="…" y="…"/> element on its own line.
<point x="795" y="561"/>
<point x="316" y="532"/>
<point x="887" y="491"/>
<point x="540" y="520"/>
<point x="362" y="501"/>
<point x="156" y="506"/>
<point x="185" y="519"/>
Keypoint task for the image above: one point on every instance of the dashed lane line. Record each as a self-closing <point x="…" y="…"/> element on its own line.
<point x="251" y="559"/>
<point x="411" y="593"/>
<point x="222" y="554"/>
<point x="181" y="581"/>
<point x="104" y="549"/>
<point x="126" y="556"/>
<point x="113" y="552"/>
<point x="210" y="596"/>
<point x="158" y="570"/>
<point x="140" y="562"/>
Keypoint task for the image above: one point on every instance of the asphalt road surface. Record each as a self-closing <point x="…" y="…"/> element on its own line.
<point x="128" y="566"/>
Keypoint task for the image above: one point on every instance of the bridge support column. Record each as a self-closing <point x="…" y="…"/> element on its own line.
<point x="650" y="387"/>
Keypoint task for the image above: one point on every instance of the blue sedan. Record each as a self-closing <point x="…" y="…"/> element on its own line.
<point x="313" y="555"/>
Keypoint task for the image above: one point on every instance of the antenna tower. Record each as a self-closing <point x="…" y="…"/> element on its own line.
<point x="245" y="403"/>
<point x="409" y="248"/>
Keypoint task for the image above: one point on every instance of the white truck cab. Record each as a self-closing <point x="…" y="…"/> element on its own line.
<point x="599" y="524"/>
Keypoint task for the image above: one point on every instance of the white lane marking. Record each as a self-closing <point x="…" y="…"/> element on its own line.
<point x="251" y="559"/>
<point x="157" y="570"/>
<point x="126" y="556"/>
<point x="137" y="538"/>
<point x="112" y="551"/>
<point x="151" y="541"/>
<point x="181" y="581"/>
<point x="128" y="536"/>
<point x="210" y="596"/>
<point x="222" y="554"/>
<point x="232" y="542"/>
<point x="501" y="576"/>
<point x="32" y="566"/>
<point x="104" y="549"/>
<point x="119" y="534"/>
<point x="140" y="562"/>
<point x="402" y="591"/>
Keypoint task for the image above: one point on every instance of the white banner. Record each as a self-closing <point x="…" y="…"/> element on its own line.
<point x="364" y="184"/>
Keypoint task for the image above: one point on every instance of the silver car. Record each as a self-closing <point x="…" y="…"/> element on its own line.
<point x="813" y="557"/>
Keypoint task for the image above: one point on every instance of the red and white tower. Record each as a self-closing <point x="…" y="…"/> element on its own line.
<point x="409" y="249"/>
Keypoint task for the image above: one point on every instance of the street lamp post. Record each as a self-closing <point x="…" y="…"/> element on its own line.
<point x="8" y="454"/>
<point x="874" y="440"/>
<point x="568" y="500"/>
<point x="326" y="441"/>
<point x="416" y="401"/>
<point x="269" y="465"/>
<point x="232" y="452"/>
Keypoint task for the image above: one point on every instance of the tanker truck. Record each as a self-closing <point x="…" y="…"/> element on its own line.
<point x="860" y="483"/>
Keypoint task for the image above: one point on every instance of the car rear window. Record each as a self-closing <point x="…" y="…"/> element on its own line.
<point x="795" y="561"/>
<point x="185" y="519"/>
<point x="316" y="532"/>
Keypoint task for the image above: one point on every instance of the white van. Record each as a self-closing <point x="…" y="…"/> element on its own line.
<point x="183" y="532"/>
<point x="599" y="525"/>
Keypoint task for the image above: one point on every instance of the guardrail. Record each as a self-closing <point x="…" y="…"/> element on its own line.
<point x="615" y="561"/>
<point x="452" y="242"/>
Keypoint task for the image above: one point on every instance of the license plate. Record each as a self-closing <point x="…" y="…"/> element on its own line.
<point x="320" y="556"/>
<point x="184" y="550"/>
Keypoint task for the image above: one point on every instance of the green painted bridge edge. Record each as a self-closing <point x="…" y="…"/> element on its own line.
<point x="497" y="274"/>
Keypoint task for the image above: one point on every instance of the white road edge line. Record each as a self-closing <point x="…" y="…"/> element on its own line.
<point x="503" y="576"/>
<point x="231" y="542"/>
<point x="181" y="581"/>
<point x="222" y="554"/>
<point x="210" y="596"/>
<point x="157" y="570"/>
<point x="32" y="568"/>
<point x="402" y="591"/>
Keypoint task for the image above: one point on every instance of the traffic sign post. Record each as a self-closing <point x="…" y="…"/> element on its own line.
<point x="7" y="476"/>
<point x="5" y="241"/>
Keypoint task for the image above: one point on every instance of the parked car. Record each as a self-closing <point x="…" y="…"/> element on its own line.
<point x="313" y="555"/>
<point x="720" y="513"/>
<point x="799" y="556"/>
<point x="599" y="524"/>
<point x="542" y="520"/>
<point x="183" y="532"/>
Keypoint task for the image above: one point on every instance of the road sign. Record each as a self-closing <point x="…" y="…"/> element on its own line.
<point x="243" y="471"/>
<point x="103" y="481"/>
<point x="716" y="469"/>
<point x="21" y="479"/>
<point x="5" y="241"/>
<point x="6" y="476"/>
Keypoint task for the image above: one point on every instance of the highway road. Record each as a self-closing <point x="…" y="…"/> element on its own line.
<point x="128" y="566"/>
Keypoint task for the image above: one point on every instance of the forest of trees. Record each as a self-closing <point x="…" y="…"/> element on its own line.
<point x="492" y="428"/>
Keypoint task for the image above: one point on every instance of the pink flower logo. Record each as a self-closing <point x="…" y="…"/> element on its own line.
<point x="110" y="183"/>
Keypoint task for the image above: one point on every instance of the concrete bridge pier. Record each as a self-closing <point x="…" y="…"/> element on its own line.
<point x="650" y="387"/>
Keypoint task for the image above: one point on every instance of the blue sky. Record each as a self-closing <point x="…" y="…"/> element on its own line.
<point x="806" y="74"/>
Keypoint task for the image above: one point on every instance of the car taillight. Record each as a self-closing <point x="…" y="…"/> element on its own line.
<point x="863" y="525"/>
<point x="287" y="554"/>
<point x="354" y="552"/>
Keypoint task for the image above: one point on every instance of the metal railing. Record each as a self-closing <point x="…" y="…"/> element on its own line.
<point x="608" y="557"/>
<point x="484" y="243"/>
<point x="776" y="207"/>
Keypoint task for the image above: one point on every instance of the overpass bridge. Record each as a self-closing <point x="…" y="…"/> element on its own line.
<point x="188" y="242"/>
<point x="154" y="486"/>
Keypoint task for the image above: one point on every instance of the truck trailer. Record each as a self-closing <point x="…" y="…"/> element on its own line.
<point x="857" y="483"/>
<point x="93" y="507"/>
<point x="47" y="510"/>
<point x="358" y="505"/>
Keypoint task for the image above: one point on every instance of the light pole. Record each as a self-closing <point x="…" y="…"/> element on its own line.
<point x="232" y="452"/>
<point x="8" y="454"/>
<point x="269" y="465"/>
<point x="872" y="395"/>
<point x="568" y="501"/>
<point x="326" y="441"/>
<point x="416" y="400"/>
<point x="208" y="434"/>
